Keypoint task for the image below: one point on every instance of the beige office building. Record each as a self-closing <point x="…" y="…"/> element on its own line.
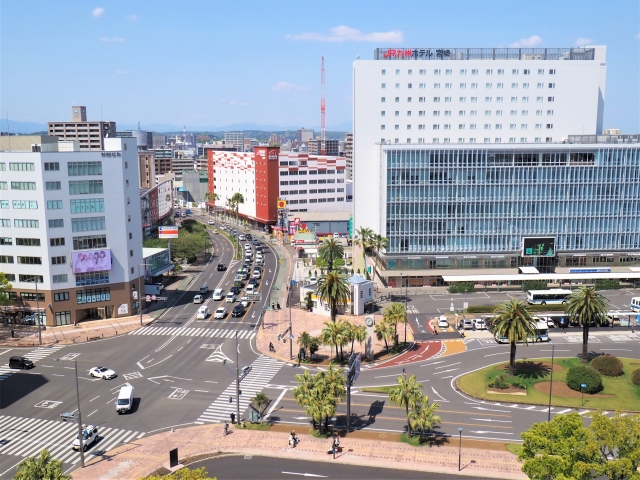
<point x="89" y="135"/>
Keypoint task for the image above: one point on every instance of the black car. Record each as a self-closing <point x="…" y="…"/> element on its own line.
<point x="20" y="362"/>
<point x="248" y="236"/>
<point x="253" y="281"/>
<point x="238" y="310"/>
<point x="235" y="290"/>
<point x="221" y="267"/>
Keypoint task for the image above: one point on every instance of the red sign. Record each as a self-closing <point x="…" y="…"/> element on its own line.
<point x="303" y="226"/>
<point x="299" y="241"/>
<point x="296" y="221"/>
<point x="273" y="155"/>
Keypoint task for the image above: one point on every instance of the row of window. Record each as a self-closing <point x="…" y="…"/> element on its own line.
<point x="311" y="182"/>
<point x="21" y="260"/>
<point x="77" y="206"/>
<point x="20" y="204"/>
<point x="25" y="278"/>
<point x="472" y="140"/>
<point x="315" y="200"/>
<point x="312" y="191"/>
<point x="473" y="126"/>
<point x="472" y="99"/>
<point x="473" y="85"/>
<point x="462" y="113"/>
<point x="79" y="243"/>
<point x="474" y="71"/>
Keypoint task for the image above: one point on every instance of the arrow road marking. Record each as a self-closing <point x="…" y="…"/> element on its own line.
<point x="148" y="366"/>
<point x="441" y="399"/>
<point x="305" y="474"/>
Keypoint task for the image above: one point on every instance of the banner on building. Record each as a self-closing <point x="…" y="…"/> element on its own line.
<point x="167" y="232"/>
<point x="91" y="261"/>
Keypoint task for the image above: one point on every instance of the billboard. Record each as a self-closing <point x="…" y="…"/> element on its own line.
<point x="91" y="260"/>
<point x="167" y="232"/>
<point x="538" y="246"/>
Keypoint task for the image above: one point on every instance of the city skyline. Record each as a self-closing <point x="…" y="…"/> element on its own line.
<point x="134" y="62"/>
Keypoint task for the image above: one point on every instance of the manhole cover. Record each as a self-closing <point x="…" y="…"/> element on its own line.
<point x="247" y="457"/>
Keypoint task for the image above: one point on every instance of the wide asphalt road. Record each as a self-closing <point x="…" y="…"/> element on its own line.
<point x="175" y="366"/>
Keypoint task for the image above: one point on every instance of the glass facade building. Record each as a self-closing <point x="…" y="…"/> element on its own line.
<point x="463" y="199"/>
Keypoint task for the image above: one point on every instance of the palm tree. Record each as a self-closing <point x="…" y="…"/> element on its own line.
<point x="408" y="394"/>
<point x="377" y="243"/>
<point x="330" y="251"/>
<point x="333" y="334"/>
<point x="212" y="197"/>
<point x="424" y="416"/>
<point x="333" y="383"/>
<point x="237" y="198"/>
<point x="355" y="333"/>
<point x="41" y="467"/>
<point x="585" y="306"/>
<point x="515" y="323"/>
<point x="395" y="313"/>
<point x="383" y="331"/>
<point x="230" y="206"/>
<point x="333" y="289"/>
<point x="362" y="239"/>
<point x="260" y="402"/>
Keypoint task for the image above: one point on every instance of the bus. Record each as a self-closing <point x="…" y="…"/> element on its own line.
<point x="635" y="304"/>
<point x="543" y="297"/>
<point x="542" y="333"/>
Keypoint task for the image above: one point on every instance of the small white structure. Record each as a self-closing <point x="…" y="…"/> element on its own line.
<point x="361" y="290"/>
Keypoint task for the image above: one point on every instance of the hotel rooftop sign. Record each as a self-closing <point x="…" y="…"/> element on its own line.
<point x="582" y="53"/>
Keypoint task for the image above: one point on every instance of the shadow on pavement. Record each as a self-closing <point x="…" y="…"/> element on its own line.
<point x="19" y="385"/>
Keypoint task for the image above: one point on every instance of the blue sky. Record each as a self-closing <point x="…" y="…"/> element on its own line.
<point x="205" y="63"/>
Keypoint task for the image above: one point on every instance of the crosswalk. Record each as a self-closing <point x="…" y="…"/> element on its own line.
<point x="26" y="437"/>
<point x="263" y="369"/>
<point x="34" y="356"/>
<point x="195" y="332"/>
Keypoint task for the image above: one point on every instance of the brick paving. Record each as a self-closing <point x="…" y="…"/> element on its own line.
<point x="144" y="456"/>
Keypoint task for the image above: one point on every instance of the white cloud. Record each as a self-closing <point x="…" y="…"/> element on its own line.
<point x="123" y="72"/>
<point x="97" y="12"/>
<point x="527" y="42"/>
<point x="112" y="39"/>
<point x="132" y="17"/>
<point x="343" y="33"/>
<point x="582" y="41"/>
<point x="290" y="87"/>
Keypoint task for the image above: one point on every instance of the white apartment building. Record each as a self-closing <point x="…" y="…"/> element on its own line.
<point x="70" y="223"/>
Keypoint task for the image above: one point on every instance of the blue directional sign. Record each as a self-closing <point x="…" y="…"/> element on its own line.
<point x="583" y="385"/>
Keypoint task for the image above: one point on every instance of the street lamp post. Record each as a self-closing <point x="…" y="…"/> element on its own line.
<point x="333" y="441"/>
<point x="553" y="347"/>
<point x="140" y="289"/>
<point x="290" y="325"/>
<point x="80" y="437"/>
<point x="406" y="298"/>
<point x="460" y="450"/>
<point x="237" y="382"/>
<point x="35" y="280"/>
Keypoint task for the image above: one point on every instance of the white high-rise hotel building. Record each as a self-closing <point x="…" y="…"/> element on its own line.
<point x="462" y="154"/>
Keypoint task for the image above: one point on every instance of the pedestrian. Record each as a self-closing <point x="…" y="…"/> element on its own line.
<point x="435" y="331"/>
<point x="292" y="439"/>
<point x="233" y="418"/>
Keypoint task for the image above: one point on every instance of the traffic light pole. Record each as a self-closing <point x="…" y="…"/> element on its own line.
<point x="237" y="382"/>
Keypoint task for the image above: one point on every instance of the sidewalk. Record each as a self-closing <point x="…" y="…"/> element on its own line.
<point x="144" y="456"/>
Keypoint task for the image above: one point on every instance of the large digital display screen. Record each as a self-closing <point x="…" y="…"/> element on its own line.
<point x="538" y="247"/>
<point x="91" y="260"/>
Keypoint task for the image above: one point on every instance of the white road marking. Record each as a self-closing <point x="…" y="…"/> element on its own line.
<point x="445" y="366"/>
<point x="94" y="398"/>
<point x="490" y="420"/>
<point x="492" y="409"/>
<point x="92" y="413"/>
<point x="500" y="353"/>
<point x="485" y="431"/>
<point x="305" y="474"/>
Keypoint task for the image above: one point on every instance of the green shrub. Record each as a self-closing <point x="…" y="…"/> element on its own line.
<point x="635" y="377"/>
<point x="462" y="287"/>
<point x="534" y="285"/>
<point x="608" y="365"/>
<point x="587" y="375"/>
<point x="607" y="284"/>
<point x="501" y="384"/>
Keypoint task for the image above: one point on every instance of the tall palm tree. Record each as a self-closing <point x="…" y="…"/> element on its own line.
<point x="395" y="313"/>
<point x="213" y="198"/>
<point x="333" y="290"/>
<point x="237" y="198"/>
<point x="377" y="243"/>
<point x="514" y="321"/>
<point x="407" y="394"/>
<point x="383" y="331"/>
<point x="333" y="383"/>
<point x="424" y="416"/>
<point x="585" y="306"/>
<point x="260" y="402"/>
<point x="230" y="207"/>
<point x="41" y="467"/>
<point x="355" y="333"/>
<point x="330" y="251"/>
<point x="333" y="334"/>
<point x="363" y="239"/>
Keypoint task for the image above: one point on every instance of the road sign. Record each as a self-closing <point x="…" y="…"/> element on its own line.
<point x="135" y="295"/>
<point x="293" y="282"/>
<point x="168" y="232"/>
<point x="153" y="297"/>
<point x="583" y="385"/>
<point x="161" y="299"/>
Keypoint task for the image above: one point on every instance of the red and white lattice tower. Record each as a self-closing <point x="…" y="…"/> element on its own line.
<point x="323" y="145"/>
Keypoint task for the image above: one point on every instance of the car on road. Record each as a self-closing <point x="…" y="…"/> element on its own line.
<point x="102" y="372"/>
<point x="197" y="299"/>
<point x="89" y="437"/>
<point x="253" y="281"/>
<point x="230" y="298"/>
<point x="244" y="301"/>
<point x="479" y="324"/>
<point x="245" y="370"/>
<point x="220" y="313"/>
<point x="247" y="246"/>
<point x="238" y="310"/>
<point x="259" y="261"/>
<point x="256" y="241"/>
<point x="20" y="362"/>
<point x="313" y="279"/>
<point x="248" y="236"/>
<point x="257" y="273"/>
<point x="250" y="289"/>
<point x="467" y="324"/>
<point x="203" y="313"/>
<point x="211" y="222"/>
<point x="204" y="289"/>
<point x="222" y="267"/>
<point x="217" y="294"/>
<point x="241" y="237"/>
<point x="443" y="322"/>
<point x="235" y="290"/>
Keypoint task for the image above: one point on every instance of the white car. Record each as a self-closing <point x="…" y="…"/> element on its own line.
<point x="89" y="437"/>
<point x="241" y="237"/>
<point x="217" y="294"/>
<point x="211" y="222"/>
<point x="247" y="246"/>
<point x="313" y="279"/>
<point x="245" y="302"/>
<point x="220" y="313"/>
<point x="259" y="261"/>
<point x="467" y="324"/>
<point x="479" y="324"/>
<point x="203" y="313"/>
<point x="230" y="298"/>
<point x="102" y="372"/>
<point x="257" y="274"/>
<point x="197" y="299"/>
<point x="443" y="322"/>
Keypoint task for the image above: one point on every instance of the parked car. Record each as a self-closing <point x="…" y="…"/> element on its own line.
<point x="222" y="267"/>
<point x="89" y="437"/>
<point x="238" y="310"/>
<point x="467" y="324"/>
<point x="197" y="299"/>
<point x="220" y="313"/>
<point x="313" y="279"/>
<point x="443" y="322"/>
<point x="479" y="324"/>
<point x="217" y="294"/>
<point x="102" y="372"/>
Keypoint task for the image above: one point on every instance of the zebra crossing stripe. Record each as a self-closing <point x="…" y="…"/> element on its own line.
<point x="192" y="332"/>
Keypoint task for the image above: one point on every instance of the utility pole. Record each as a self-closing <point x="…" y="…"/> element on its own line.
<point x="35" y="279"/>
<point x="290" y="325"/>
<point x="237" y="382"/>
<point x="79" y="418"/>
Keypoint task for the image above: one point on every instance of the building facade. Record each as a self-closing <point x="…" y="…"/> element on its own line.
<point x="70" y="226"/>
<point x="89" y="135"/>
<point x="348" y="154"/>
<point x="303" y="135"/>
<point x="156" y="208"/>
<point x="147" y="168"/>
<point x="235" y="139"/>
<point x="143" y="137"/>
<point x="332" y="147"/>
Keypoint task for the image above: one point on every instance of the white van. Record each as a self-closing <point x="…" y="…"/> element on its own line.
<point x="203" y="312"/>
<point x="124" y="403"/>
<point x="250" y="289"/>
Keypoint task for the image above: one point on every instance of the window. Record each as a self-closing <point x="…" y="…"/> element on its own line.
<point x="397" y="71"/>
<point x="93" y="296"/>
<point x="397" y="85"/>
<point x="25" y="204"/>
<point x="397" y="113"/>
<point x="487" y="126"/>
<point x="541" y="71"/>
<point x="25" y="223"/>
<point x="409" y="99"/>
<point x="447" y="85"/>
<point x="474" y="85"/>
<point x="421" y="113"/>
<point x="384" y="85"/>
<point x="461" y="113"/>
<point x="448" y="71"/>
<point x="56" y="223"/>
<point x="22" y="167"/>
<point x="382" y="113"/>
<point x="538" y="126"/>
<point x="537" y="140"/>
<point x="539" y="99"/>
<point x="463" y="71"/>
<point x="54" y="204"/>
<point x="5" y="222"/>
<point x="538" y="112"/>
<point x="421" y="99"/>
<point x="497" y="140"/>
<point x="61" y="297"/>
<point x="473" y="113"/>
<point x="30" y="260"/>
<point x="525" y="99"/>
<point x="487" y="112"/>
<point x="461" y="126"/>
<point x="524" y="112"/>
<point x="487" y="99"/>
<point x="56" y="242"/>
<point x="488" y="85"/>
<point x="447" y="113"/>
<point x="410" y="71"/>
<point x="63" y="318"/>
<point x="32" y="296"/>
<point x="514" y="71"/>
<point x="51" y="166"/>
<point x="4" y="203"/>
<point x="23" y="185"/>
<point x="514" y="85"/>
<point x="408" y="127"/>
<point x="397" y="99"/>
<point x="422" y="85"/>
<point x="84" y="187"/>
<point x="94" y="278"/>
<point x="409" y="85"/>
<point x="52" y="186"/>
<point x="436" y="85"/>
<point x="3" y="185"/>
<point x="552" y="71"/>
<point x="549" y="112"/>
<point x="436" y="113"/>
<point x="525" y="85"/>
<point x="474" y="99"/>
<point x="549" y="126"/>
<point x="550" y="99"/>
<point x="28" y="242"/>
<point x="489" y="71"/>
<point x="498" y="112"/>
<point x="436" y="99"/>
<point x="447" y="126"/>
<point x="88" y="224"/>
<point x="526" y="71"/>
<point x="500" y="85"/>
<point x="514" y="99"/>
<point x="447" y="99"/>
<point x="548" y="139"/>
<point x="498" y="126"/>
<point x="381" y="128"/>
<point x="512" y="126"/>
<point x="58" y="260"/>
<point x="436" y="71"/>
<point x="6" y="259"/>
<point x="76" y="169"/>
<point x="382" y="99"/>
<point x="523" y="126"/>
<point x="462" y="99"/>
<point x="397" y="127"/>
<point x="89" y="241"/>
<point x="384" y="72"/>
<point x="421" y="127"/>
<point x="62" y="278"/>
<point x="31" y="279"/>
<point x="6" y="241"/>
<point x="436" y="126"/>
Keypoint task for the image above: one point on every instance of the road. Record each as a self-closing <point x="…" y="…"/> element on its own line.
<point x="174" y="364"/>
<point x="240" y="467"/>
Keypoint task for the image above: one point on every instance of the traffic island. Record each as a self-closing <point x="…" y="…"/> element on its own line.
<point x="618" y="393"/>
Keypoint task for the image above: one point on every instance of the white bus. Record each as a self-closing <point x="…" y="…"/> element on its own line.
<point x="635" y="304"/>
<point x="542" y="333"/>
<point x="543" y="297"/>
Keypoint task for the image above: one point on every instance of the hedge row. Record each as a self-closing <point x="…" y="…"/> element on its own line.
<point x="607" y="284"/>
<point x="462" y="287"/>
<point x="531" y="308"/>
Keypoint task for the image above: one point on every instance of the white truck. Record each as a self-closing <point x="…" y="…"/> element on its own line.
<point x="153" y="289"/>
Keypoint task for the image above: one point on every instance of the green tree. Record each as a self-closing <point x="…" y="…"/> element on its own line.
<point x="333" y="334"/>
<point x="304" y="340"/>
<point x="355" y="333"/>
<point x="585" y="306"/>
<point x="408" y="394"/>
<point x="184" y="474"/>
<point x="237" y="198"/>
<point x="260" y="402"/>
<point x="377" y="243"/>
<point x="330" y="251"/>
<point x="5" y="288"/>
<point x="308" y="300"/>
<point x="384" y="331"/>
<point x="394" y="314"/>
<point x="41" y="467"/>
<point x="513" y="321"/>
<point x="333" y="290"/>
<point x="212" y="198"/>
<point x="363" y="240"/>
<point x="319" y="394"/>
<point x="424" y="416"/>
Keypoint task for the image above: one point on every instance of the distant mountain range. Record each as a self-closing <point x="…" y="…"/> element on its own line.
<point x="32" y="127"/>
